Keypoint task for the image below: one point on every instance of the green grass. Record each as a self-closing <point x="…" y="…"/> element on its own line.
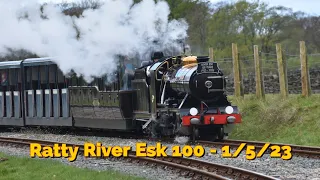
<point x="295" y="120"/>
<point x="25" y="168"/>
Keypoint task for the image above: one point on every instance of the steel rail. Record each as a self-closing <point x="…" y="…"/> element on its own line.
<point x="307" y="151"/>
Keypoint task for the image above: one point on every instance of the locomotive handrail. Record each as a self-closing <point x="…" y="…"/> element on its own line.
<point x="184" y="99"/>
<point x="160" y="66"/>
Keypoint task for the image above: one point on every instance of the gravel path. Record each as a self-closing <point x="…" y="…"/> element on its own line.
<point x="297" y="168"/>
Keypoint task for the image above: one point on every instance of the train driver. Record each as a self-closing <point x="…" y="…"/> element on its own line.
<point x="156" y="57"/>
<point x="128" y="74"/>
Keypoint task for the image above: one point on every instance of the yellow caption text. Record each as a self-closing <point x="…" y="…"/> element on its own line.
<point x="157" y="150"/>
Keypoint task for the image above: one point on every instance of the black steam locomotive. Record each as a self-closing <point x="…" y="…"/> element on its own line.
<point x="186" y="96"/>
<point x="174" y="96"/>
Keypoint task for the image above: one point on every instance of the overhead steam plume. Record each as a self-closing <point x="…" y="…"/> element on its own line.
<point x="117" y="27"/>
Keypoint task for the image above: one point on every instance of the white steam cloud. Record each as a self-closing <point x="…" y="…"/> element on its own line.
<point x="117" y="27"/>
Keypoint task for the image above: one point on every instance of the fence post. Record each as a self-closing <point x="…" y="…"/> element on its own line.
<point x="236" y="71"/>
<point x="305" y="81"/>
<point x="258" y="69"/>
<point x="211" y="54"/>
<point x="282" y="68"/>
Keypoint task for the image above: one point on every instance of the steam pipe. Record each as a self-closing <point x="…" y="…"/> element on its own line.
<point x="163" y="92"/>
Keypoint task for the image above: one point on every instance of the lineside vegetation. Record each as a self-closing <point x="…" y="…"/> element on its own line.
<point x="295" y="120"/>
<point x="26" y="168"/>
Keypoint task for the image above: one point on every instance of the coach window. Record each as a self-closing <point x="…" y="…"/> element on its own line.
<point x="47" y="84"/>
<point x="17" y="79"/>
<point x="13" y="79"/>
<point x="32" y="77"/>
<point x="61" y="80"/>
<point x="4" y="79"/>
<point x="28" y="78"/>
<point x="56" y="77"/>
<point x="52" y="74"/>
<point x="35" y="77"/>
<point x="43" y="73"/>
<point x="67" y="81"/>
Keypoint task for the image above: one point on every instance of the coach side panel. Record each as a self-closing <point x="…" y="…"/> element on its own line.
<point x="46" y="96"/>
<point x="10" y="97"/>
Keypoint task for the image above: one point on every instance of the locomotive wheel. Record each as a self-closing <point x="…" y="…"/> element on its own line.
<point x="220" y="134"/>
<point x="226" y="135"/>
<point x="216" y="134"/>
<point x="195" y="133"/>
<point x="155" y="130"/>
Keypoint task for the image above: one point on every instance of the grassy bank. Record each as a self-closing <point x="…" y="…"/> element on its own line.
<point x="16" y="168"/>
<point x="295" y="120"/>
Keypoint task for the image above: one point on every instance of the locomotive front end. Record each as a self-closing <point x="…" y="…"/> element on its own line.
<point x="205" y="110"/>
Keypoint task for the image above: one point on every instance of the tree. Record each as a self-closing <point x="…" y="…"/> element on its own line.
<point x="247" y="24"/>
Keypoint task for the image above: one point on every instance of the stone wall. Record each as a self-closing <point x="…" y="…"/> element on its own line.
<point x="271" y="82"/>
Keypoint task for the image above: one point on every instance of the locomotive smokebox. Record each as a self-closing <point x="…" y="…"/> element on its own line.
<point x="203" y="80"/>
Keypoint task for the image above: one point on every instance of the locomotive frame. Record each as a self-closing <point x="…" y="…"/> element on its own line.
<point x="36" y="93"/>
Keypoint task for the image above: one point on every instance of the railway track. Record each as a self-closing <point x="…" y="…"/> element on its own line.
<point x="192" y="168"/>
<point x="304" y="151"/>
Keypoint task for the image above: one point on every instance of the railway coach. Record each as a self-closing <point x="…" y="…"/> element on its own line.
<point x="54" y="99"/>
<point x="169" y="97"/>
